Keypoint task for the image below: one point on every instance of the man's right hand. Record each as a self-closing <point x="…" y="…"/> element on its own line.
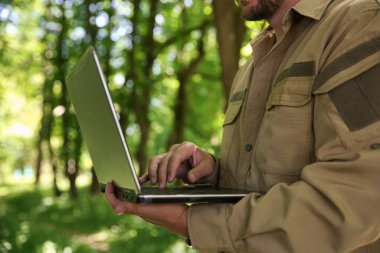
<point x="185" y="161"/>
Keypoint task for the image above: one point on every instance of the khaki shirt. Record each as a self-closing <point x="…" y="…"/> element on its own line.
<point x="302" y="132"/>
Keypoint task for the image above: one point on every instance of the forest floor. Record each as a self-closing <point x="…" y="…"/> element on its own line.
<point x="33" y="220"/>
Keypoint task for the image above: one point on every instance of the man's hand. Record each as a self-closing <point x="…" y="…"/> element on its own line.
<point x="185" y="161"/>
<point x="170" y="216"/>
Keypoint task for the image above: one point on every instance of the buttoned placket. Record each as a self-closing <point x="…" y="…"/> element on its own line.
<point x="267" y="57"/>
<point x="256" y="96"/>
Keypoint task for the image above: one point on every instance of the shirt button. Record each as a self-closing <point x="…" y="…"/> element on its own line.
<point x="248" y="147"/>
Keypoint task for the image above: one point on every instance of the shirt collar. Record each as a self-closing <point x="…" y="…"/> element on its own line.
<point x="312" y="8"/>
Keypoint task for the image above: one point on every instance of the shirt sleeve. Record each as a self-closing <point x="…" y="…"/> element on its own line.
<point x="336" y="202"/>
<point x="334" y="207"/>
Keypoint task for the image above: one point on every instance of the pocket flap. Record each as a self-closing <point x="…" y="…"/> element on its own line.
<point x="234" y="106"/>
<point x="293" y="91"/>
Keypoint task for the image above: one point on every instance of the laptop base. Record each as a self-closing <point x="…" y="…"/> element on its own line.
<point x="187" y="194"/>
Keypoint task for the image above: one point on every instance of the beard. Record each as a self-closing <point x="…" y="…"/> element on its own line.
<point x="264" y="9"/>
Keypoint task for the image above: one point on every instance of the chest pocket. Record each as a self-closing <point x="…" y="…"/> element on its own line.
<point x="230" y="141"/>
<point x="234" y="106"/>
<point x="285" y="142"/>
<point x="293" y="85"/>
<point x="293" y="91"/>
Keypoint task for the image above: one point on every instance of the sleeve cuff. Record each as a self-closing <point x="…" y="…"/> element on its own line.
<point x="207" y="225"/>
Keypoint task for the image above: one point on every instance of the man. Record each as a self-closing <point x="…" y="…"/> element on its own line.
<point x="302" y="132"/>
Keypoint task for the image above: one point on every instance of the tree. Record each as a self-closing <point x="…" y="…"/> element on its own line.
<point x="184" y="73"/>
<point x="161" y="61"/>
<point x="230" y="33"/>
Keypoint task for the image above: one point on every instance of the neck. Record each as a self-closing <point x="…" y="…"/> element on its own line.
<point x="277" y="18"/>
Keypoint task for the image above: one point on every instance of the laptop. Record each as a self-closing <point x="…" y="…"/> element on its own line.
<point x="107" y="146"/>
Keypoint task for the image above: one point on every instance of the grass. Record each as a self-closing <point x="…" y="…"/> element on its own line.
<point x="32" y="220"/>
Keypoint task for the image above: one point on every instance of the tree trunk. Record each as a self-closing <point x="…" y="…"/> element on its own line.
<point x="131" y="71"/>
<point x="61" y="63"/>
<point x="53" y="163"/>
<point x="107" y="42"/>
<point x="38" y="161"/>
<point x="184" y="75"/>
<point x="230" y="33"/>
<point x="144" y="101"/>
<point x="47" y="103"/>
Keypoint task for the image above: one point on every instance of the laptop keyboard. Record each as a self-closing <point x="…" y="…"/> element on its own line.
<point x="180" y="190"/>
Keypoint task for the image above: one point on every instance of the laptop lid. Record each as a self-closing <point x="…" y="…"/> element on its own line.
<point x="108" y="149"/>
<point x="99" y="125"/>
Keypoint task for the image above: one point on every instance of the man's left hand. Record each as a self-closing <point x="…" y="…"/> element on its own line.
<point x="170" y="216"/>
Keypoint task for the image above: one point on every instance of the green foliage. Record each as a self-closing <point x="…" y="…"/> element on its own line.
<point x="33" y="221"/>
<point x="20" y="80"/>
<point x="46" y="44"/>
<point x="40" y="41"/>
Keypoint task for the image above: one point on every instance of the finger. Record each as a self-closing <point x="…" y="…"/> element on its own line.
<point x="180" y="172"/>
<point x="162" y="171"/>
<point x="119" y="206"/>
<point x="181" y="154"/>
<point x="163" y="165"/>
<point x="200" y="171"/>
<point x="110" y="194"/>
<point x="144" y="178"/>
<point x="153" y="168"/>
<point x="204" y="166"/>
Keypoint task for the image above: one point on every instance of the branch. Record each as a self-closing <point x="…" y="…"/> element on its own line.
<point x="181" y="35"/>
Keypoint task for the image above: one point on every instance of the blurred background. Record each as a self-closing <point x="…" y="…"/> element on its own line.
<point x="169" y="65"/>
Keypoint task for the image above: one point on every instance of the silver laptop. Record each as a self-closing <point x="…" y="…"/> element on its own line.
<point x="107" y="146"/>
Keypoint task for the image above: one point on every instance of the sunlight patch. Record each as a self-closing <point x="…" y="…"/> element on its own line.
<point x="4" y="191"/>
<point x="95" y="241"/>
<point x="49" y="247"/>
<point x="4" y="244"/>
<point x="48" y="201"/>
<point x="67" y="250"/>
<point x="179" y="246"/>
